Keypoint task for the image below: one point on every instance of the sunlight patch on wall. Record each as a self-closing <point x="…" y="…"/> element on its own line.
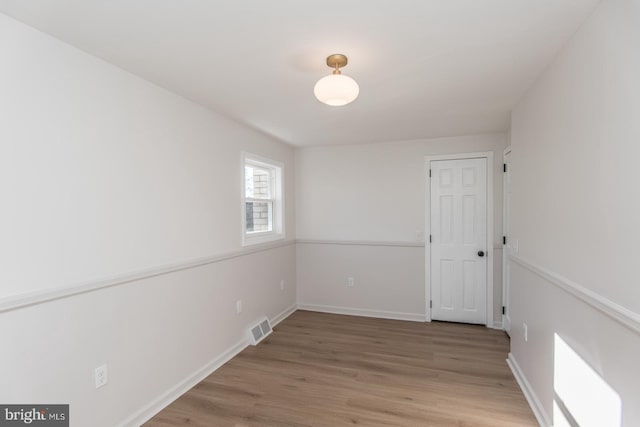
<point x="581" y="397"/>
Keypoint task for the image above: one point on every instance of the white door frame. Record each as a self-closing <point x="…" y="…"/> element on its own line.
<point x="506" y="318"/>
<point x="427" y="221"/>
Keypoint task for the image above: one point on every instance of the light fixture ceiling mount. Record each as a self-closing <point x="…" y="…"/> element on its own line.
<point x="337" y="61"/>
<point x="336" y="89"/>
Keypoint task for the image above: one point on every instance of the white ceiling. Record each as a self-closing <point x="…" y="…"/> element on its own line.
<point x="426" y="68"/>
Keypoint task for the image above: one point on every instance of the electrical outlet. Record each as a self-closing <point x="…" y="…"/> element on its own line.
<point x="282" y="285"/>
<point x="525" y="332"/>
<point x="516" y="246"/>
<point x="351" y="281"/>
<point x="238" y="306"/>
<point x="100" y="376"/>
<point x="419" y="236"/>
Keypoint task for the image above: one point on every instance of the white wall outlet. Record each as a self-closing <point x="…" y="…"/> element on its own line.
<point x="525" y="332"/>
<point x="282" y="285"/>
<point x="351" y="281"/>
<point x="516" y="246"/>
<point x="419" y="236"/>
<point x="239" y="306"/>
<point x="100" y="376"/>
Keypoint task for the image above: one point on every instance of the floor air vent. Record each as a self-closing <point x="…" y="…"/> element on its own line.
<point x="260" y="331"/>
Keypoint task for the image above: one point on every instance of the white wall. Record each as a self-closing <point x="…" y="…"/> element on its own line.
<point x="374" y="193"/>
<point x="103" y="174"/>
<point x="575" y="206"/>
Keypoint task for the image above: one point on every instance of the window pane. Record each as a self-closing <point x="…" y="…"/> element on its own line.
<point x="259" y="217"/>
<point x="248" y="181"/>
<point x="257" y="182"/>
<point x="249" y="218"/>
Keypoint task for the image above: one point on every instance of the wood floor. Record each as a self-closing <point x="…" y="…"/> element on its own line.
<point x="330" y="370"/>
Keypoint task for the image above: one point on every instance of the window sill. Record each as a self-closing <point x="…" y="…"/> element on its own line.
<point x="258" y="238"/>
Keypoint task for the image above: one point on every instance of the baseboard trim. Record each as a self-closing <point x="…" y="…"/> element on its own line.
<point x="394" y="315"/>
<point x="361" y="243"/>
<point x="165" y="399"/>
<point x="535" y="404"/>
<point x="38" y="297"/>
<point x="283" y="314"/>
<point x="506" y="323"/>
<point x="496" y="325"/>
<point x="615" y="311"/>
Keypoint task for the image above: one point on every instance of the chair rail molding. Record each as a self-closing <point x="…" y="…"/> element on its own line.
<point x="617" y="312"/>
<point x="45" y="295"/>
<point x="360" y="243"/>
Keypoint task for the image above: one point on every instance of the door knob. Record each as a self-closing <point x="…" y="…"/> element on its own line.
<point x="480" y="253"/>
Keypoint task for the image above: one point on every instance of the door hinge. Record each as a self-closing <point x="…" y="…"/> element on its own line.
<point x="504" y="310"/>
<point x="429" y="173"/>
<point x="504" y="240"/>
<point x="430" y="304"/>
<point x="430" y="238"/>
<point x="504" y="167"/>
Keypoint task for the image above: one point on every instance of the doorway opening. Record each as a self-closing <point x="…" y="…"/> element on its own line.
<point x="506" y="240"/>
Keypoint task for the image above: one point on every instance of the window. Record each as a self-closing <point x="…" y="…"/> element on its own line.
<point x="262" y="201"/>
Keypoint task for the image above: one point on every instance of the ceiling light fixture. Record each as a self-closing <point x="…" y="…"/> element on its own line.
<point x="336" y="89"/>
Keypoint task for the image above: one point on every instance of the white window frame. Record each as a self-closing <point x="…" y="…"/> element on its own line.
<point x="277" y="197"/>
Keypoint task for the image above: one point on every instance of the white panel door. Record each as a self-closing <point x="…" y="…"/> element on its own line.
<point x="459" y="240"/>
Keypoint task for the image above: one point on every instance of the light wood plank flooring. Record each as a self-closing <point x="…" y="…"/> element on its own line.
<point x="331" y="370"/>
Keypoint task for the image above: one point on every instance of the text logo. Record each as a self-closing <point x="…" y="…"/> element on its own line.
<point x="34" y="415"/>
